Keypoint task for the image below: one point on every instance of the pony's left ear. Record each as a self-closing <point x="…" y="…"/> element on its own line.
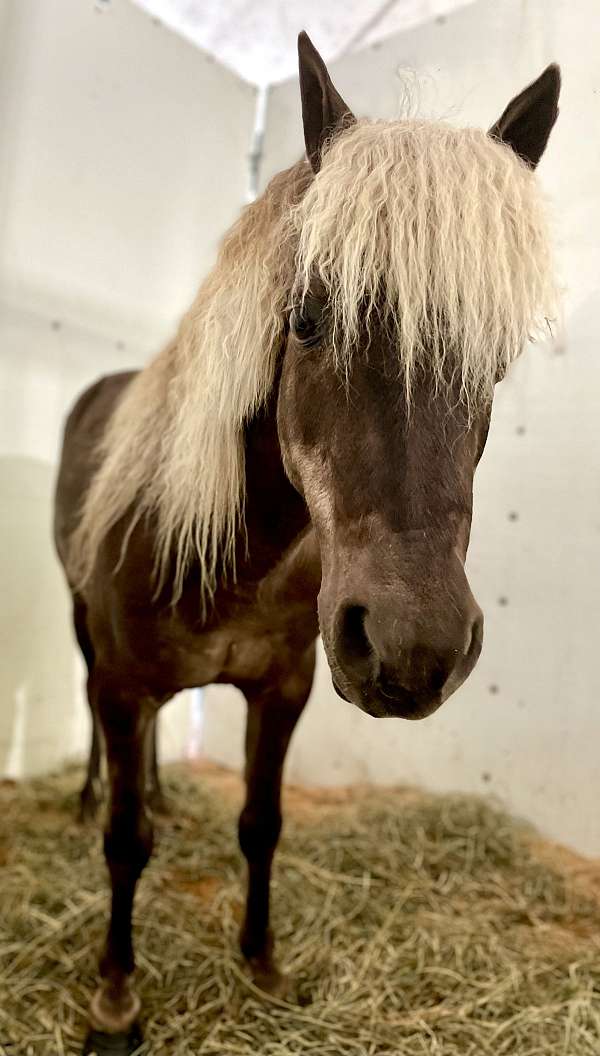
<point x="527" y="121"/>
<point x="323" y="109"/>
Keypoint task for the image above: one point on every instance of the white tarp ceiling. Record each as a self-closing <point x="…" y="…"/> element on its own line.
<point x="257" y="38"/>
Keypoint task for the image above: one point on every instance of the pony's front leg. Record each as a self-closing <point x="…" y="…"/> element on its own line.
<point x="127" y="725"/>
<point x="273" y="711"/>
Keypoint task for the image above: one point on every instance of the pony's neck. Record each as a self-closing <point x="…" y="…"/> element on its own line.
<point x="275" y="513"/>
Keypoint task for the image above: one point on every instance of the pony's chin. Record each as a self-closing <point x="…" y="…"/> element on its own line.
<point x="380" y="707"/>
<point x="340" y="692"/>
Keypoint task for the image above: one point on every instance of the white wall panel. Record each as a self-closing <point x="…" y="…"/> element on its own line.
<point x="123" y="151"/>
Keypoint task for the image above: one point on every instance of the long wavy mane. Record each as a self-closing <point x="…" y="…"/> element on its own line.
<point x="441" y="229"/>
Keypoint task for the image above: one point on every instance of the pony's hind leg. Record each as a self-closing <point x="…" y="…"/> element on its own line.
<point x="90" y="796"/>
<point x="156" y="797"/>
<point x="273" y="712"/>
<point x="127" y="727"/>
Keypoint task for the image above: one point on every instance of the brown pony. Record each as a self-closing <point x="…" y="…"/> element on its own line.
<point x="300" y="459"/>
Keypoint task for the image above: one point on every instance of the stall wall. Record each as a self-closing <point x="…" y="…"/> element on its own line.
<point x="526" y="726"/>
<point x="114" y="137"/>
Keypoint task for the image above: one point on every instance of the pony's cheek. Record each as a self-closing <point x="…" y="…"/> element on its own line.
<point x="292" y="471"/>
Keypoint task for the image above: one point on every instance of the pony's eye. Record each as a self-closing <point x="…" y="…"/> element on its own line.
<point x="304" y="322"/>
<point x="302" y="326"/>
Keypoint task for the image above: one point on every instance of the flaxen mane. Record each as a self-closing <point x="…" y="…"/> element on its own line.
<point x="440" y="228"/>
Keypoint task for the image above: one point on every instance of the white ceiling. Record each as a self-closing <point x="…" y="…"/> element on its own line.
<point x="257" y="38"/>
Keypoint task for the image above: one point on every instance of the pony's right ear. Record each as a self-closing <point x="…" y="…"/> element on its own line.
<point x="323" y="109"/>
<point x="527" y="122"/>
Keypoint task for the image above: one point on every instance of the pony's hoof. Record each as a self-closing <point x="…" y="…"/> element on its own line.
<point x="125" y="1043"/>
<point x="267" y="977"/>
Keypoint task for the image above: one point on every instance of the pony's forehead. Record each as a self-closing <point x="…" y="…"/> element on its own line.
<point x="380" y="141"/>
<point x="442" y="227"/>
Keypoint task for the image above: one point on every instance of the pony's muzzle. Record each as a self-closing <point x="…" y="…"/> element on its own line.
<point x="390" y="667"/>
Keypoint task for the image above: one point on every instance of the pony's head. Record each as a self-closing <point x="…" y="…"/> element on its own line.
<point x="422" y="268"/>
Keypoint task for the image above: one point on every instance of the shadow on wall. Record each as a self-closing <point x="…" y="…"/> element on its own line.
<point x="42" y="719"/>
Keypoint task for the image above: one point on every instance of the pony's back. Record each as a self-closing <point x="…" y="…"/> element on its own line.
<point x="78" y="460"/>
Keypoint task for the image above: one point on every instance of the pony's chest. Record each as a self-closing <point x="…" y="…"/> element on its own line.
<point x="251" y="652"/>
<point x="266" y="629"/>
<point x="261" y="630"/>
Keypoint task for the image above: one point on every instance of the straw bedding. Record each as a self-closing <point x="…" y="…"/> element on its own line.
<point x="411" y="924"/>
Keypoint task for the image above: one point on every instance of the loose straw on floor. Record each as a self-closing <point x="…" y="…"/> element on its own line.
<point x="411" y="925"/>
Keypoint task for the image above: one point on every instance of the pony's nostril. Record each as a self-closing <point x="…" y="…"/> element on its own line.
<point x="476" y="638"/>
<point x="353" y="640"/>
